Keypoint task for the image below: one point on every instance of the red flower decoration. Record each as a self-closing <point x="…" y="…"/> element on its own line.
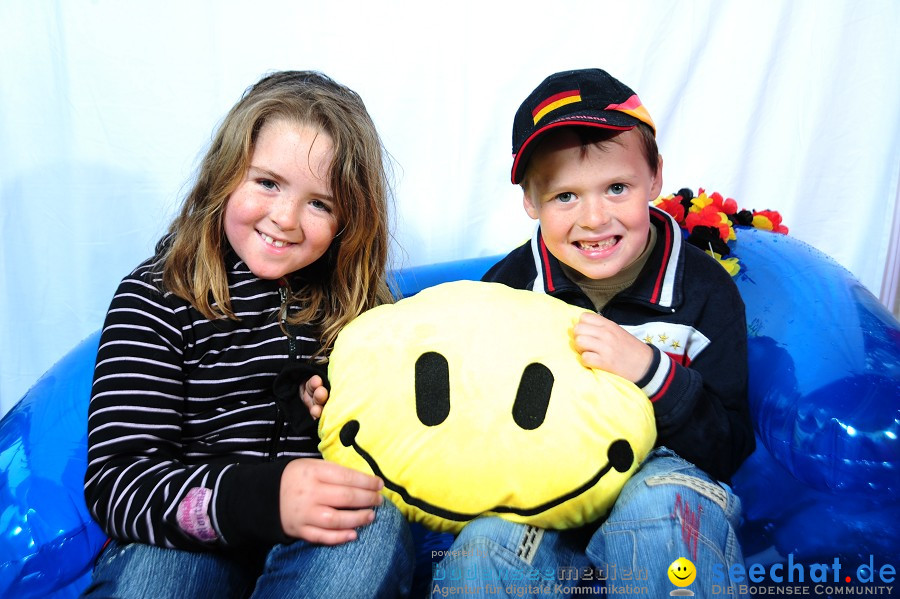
<point x="729" y="205"/>
<point x="709" y="216"/>
<point x="713" y="212"/>
<point x="673" y="206"/>
<point x="770" y="220"/>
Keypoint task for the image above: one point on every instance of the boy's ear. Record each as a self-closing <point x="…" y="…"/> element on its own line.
<point x="657" y="180"/>
<point x="529" y="205"/>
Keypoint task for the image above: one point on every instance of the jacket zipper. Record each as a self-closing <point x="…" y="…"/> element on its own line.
<point x="292" y="352"/>
<point x="276" y="434"/>
<point x="292" y="344"/>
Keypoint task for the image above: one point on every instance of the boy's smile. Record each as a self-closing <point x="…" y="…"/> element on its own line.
<point x="592" y="201"/>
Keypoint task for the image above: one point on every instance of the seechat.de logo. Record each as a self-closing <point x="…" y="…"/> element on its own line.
<point x="682" y="573"/>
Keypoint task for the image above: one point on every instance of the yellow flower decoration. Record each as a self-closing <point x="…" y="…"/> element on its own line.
<point x="729" y="264"/>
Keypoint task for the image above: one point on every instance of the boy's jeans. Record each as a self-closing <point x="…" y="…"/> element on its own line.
<point x="379" y="563"/>
<point x="667" y="510"/>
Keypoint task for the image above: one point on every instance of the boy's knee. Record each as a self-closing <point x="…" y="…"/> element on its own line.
<point x="488" y="530"/>
<point x="667" y="486"/>
<point x="674" y="509"/>
<point x="678" y="497"/>
<point x="680" y="488"/>
<point x="672" y="501"/>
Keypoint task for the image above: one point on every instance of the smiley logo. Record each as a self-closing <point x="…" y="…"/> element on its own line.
<point x="469" y="399"/>
<point x="682" y="572"/>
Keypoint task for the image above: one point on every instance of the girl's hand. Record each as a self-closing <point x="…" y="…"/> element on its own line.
<point x="324" y="503"/>
<point x="605" y="345"/>
<point x="314" y="394"/>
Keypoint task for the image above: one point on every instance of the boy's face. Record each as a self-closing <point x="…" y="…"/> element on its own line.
<point x="592" y="201"/>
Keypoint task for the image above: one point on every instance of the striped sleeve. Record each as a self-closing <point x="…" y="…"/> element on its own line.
<point x="138" y="485"/>
<point x="133" y="477"/>
<point x="672" y="388"/>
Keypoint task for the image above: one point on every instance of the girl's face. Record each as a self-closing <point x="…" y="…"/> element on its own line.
<point x="281" y="217"/>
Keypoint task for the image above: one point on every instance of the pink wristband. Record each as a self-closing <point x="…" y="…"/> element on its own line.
<point x="193" y="514"/>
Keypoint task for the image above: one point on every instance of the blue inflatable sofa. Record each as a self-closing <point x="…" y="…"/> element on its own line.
<point x="824" y="388"/>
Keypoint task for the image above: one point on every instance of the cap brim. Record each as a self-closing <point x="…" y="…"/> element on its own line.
<point x="623" y="122"/>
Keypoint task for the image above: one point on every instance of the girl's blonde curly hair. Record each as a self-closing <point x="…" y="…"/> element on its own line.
<point x="350" y="278"/>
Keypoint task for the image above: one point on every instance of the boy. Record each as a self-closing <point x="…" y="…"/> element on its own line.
<point x="668" y="317"/>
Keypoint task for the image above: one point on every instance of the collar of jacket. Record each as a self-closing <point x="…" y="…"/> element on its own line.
<point x="658" y="286"/>
<point x="238" y="272"/>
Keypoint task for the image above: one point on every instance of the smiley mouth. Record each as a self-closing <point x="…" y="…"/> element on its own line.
<point x="619" y="456"/>
<point x="686" y="576"/>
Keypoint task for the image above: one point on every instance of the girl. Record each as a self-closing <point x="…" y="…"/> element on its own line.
<point x="202" y="460"/>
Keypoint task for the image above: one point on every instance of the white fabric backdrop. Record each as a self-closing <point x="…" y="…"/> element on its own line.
<point x="105" y="107"/>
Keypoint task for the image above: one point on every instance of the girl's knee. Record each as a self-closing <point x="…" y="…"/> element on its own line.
<point x="139" y="570"/>
<point x="388" y="517"/>
<point x="389" y="529"/>
<point x="388" y="521"/>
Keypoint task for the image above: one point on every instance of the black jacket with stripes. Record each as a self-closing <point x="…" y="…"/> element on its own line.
<point x="186" y="441"/>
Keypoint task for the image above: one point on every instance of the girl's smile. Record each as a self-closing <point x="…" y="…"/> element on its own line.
<point x="274" y="242"/>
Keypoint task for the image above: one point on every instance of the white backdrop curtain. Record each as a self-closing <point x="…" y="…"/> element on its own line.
<point x="105" y="107"/>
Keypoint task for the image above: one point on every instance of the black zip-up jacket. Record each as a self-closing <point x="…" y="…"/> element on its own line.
<point x="687" y="308"/>
<point x="187" y="433"/>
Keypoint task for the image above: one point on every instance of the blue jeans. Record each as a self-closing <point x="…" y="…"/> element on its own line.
<point x="667" y="510"/>
<point x="379" y="563"/>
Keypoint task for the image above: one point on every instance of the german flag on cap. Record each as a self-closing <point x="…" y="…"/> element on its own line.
<point x="634" y="107"/>
<point x="555" y="101"/>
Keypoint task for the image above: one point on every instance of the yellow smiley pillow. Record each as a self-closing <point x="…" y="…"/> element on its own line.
<point x="469" y="399"/>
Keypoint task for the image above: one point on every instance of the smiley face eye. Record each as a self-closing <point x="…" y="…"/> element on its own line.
<point x="533" y="396"/>
<point x="432" y="388"/>
<point x="432" y="381"/>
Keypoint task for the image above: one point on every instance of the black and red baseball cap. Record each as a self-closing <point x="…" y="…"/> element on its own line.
<point x="584" y="97"/>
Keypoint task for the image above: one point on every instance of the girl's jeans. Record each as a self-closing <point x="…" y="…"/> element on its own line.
<point x="668" y="510"/>
<point x="379" y="563"/>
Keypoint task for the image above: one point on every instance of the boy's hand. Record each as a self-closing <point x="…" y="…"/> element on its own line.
<point x="314" y="395"/>
<point x="324" y="503"/>
<point x="605" y="345"/>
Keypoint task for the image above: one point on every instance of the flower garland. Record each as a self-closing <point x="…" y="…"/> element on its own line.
<point x="709" y="220"/>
